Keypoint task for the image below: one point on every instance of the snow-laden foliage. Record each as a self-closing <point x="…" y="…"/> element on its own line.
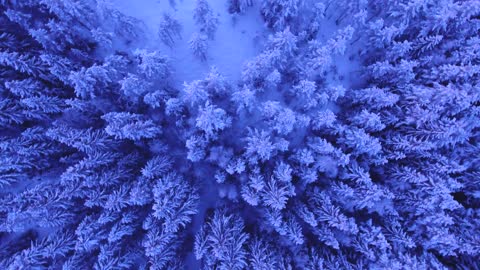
<point x="349" y="142"/>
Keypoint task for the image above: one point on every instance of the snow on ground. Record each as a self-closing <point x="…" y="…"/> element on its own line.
<point x="236" y="40"/>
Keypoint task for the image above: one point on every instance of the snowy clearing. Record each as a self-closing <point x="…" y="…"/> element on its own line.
<point x="238" y="37"/>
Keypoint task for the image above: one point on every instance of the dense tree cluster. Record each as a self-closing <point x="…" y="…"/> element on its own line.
<point x="106" y="164"/>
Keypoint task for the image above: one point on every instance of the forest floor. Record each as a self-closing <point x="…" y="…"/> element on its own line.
<point x="238" y="37"/>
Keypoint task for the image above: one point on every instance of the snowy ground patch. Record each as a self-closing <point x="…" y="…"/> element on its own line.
<point x="238" y="37"/>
